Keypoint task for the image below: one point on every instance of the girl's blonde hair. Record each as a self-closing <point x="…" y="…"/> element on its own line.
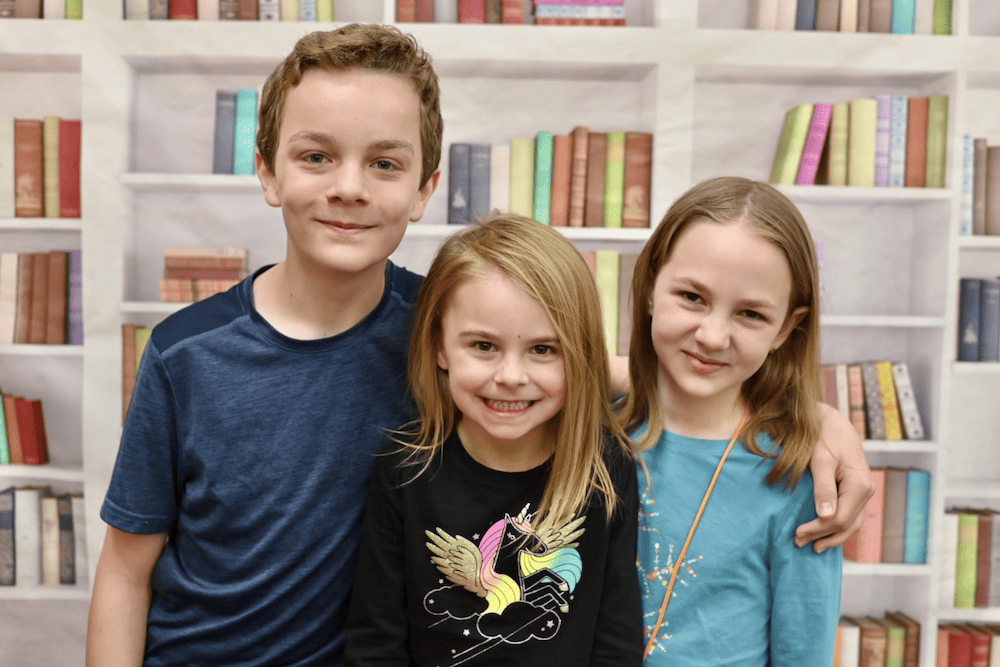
<point x="783" y="394"/>
<point x="551" y="271"/>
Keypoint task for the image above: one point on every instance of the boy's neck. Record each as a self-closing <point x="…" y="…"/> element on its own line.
<point x="708" y="418"/>
<point x="309" y="305"/>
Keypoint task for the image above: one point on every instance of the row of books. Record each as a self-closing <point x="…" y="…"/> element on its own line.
<point x="22" y="431"/>
<point x="193" y="273"/>
<point x="979" y="319"/>
<point x="877" y="396"/>
<point x="39" y="167"/>
<point x="970" y="576"/>
<point x="867" y="641"/>
<point x="580" y="179"/>
<point x="981" y="173"/>
<point x="881" y="141"/>
<point x="42" y="538"/>
<point x="230" y="10"/>
<point x="902" y="17"/>
<point x="895" y="527"/>
<point x="41" y="9"/>
<point x="41" y="299"/>
<point x="968" y="645"/>
<point x="235" y="134"/>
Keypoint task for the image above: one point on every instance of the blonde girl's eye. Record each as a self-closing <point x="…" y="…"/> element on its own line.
<point x="543" y="349"/>
<point x="483" y="346"/>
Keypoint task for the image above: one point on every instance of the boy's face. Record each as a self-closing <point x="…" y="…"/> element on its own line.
<point x="347" y="169"/>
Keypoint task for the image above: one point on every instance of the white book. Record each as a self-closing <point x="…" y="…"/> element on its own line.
<point x="913" y="426"/>
<point x="766" y="15"/>
<point x="850" y="643"/>
<point x="897" y="141"/>
<point x="995" y="649"/>
<point x="8" y="297"/>
<point x="994" y="598"/>
<point x="307" y="10"/>
<point x="6" y="166"/>
<point x="136" y="10"/>
<point x="923" y="19"/>
<point x="965" y="223"/>
<point x="79" y="541"/>
<point x="289" y="10"/>
<point x="50" y="540"/>
<point x="268" y="10"/>
<point x="948" y="550"/>
<point x="500" y="177"/>
<point x="27" y="536"/>
<point x="208" y="10"/>
<point x="53" y="9"/>
<point x="848" y="16"/>
<point x="786" y="14"/>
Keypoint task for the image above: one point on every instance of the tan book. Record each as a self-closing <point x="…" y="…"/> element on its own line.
<point x="992" y="204"/>
<point x="638" y="179"/>
<point x="50" y="166"/>
<point x="562" y="166"/>
<point x="578" y="176"/>
<point x="597" y="146"/>
<point x="58" y="292"/>
<point x="29" y="177"/>
<point x="39" y="298"/>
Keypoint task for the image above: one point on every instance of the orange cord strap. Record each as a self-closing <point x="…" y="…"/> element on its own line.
<point x="690" y="535"/>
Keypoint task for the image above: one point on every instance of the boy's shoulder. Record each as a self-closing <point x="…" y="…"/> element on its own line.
<point x="403" y="283"/>
<point x="203" y="316"/>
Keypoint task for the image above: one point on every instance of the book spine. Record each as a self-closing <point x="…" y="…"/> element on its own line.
<point x="406" y="11"/>
<point x="7" y="537"/>
<point x="522" y="175"/>
<point x="638" y="177"/>
<point x="843" y="390"/>
<point x="325" y="11"/>
<point x="989" y="320"/>
<point x="159" y="10"/>
<point x="229" y="10"/>
<point x="184" y="10"/>
<point x="873" y="401"/>
<point x="245" y="131"/>
<point x="894" y="516"/>
<point x="903" y="17"/>
<point x="8" y="296"/>
<point x="578" y="177"/>
<point x="766" y="16"/>
<point x="916" y="142"/>
<point x="137" y="10"/>
<point x="948" y="539"/>
<point x="937" y="140"/>
<point x="208" y="10"/>
<point x="425" y="11"/>
<point x="223" y="137"/>
<point x="269" y="10"/>
<point x="542" y="202"/>
<point x="614" y="180"/>
<point x="815" y="141"/>
<point x="49" y="512"/>
<point x="50" y="166"/>
<point x="597" y="146"/>
<point x="494" y="11"/>
<point x="471" y="11"/>
<point x="58" y="296"/>
<point x="883" y="128"/>
<point x="27" y="537"/>
<point x="984" y="539"/>
<point x="69" y="168"/>
<point x="479" y="181"/>
<point x="828" y="15"/>
<point x="39" y="296"/>
<point x="4" y="445"/>
<point x="913" y="428"/>
<point x="965" y="561"/>
<point x="991" y="225"/>
<point x="31" y="423"/>
<point x="6" y="166"/>
<point x="128" y="366"/>
<point x="513" y="11"/>
<point x="861" y="138"/>
<point x="81" y="574"/>
<point x="562" y="174"/>
<point x="865" y="546"/>
<point x="923" y="22"/>
<point x="290" y="10"/>
<point x="979" y="185"/>
<point x="7" y="10"/>
<point x="994" y="586"/>
<point x="67" y="569"/>
<point x="28" y="169"/>
<point x="969" y="299"/>
<point x="459" y="183"/>
<point x="897" y="142"/>
<point x="942" y="17"/>
<point x="890" y="406"/>
<point x="805" y="15"/>
<point x="25" y="284"/>
<point x="791" y="144"/>
<point x="848" y="16"/>
<point x="626" y="269"/>
<point x="968" y="162"/>
<point x="918" y="498"/>
<point x="500" y="177"/>
<point x="837" y="162"/>
<point x="13" y="435"/>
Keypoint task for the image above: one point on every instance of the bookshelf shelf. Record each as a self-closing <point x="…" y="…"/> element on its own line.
<point x="973" y="243"/>
<point x="976" y="368"/>
<point x="973" y="489"/>
<point x="42" y="350"/>
<point x="41" y="224"/>
<point x="147" y="182"/>
<point x="48" y="472"/>
<point x="66" y="592"/>
<point x="149" y="307"/>
<point x="901" y="447"/>
<point x="854" y="569"/>
<point x="986" y="615"/>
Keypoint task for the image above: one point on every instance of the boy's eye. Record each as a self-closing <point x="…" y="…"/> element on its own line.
<point x="315" y="158"/>
<point x="384" y="165"/>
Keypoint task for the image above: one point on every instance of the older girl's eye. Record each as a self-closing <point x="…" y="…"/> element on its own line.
<point x="691" y="297"/>
<point x="483" y="346"/>
<point x="754" y="315"/>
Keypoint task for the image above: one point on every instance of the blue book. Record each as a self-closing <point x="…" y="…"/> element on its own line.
<point x="989" y="320"/>
<point x="918" y="500"/>
<point x="903" y="17"/>
<point x="965" y="223"/>
<point x="459" y="184"/>
<point x="969" y="291"/>
<point x="805" y="15"/>
<point x="74" y="301"/>
<point x="245" y="132"/>
<point x="479" y="181"/>
<point x="225" y="122"/>
<point x="307" y="10"/>
<point x="883" y="129"/>
<point x="7" y="537"/>
<point x="897" y="141"/>
<point x="544" y="143"/>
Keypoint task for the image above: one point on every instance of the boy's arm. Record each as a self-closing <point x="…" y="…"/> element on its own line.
<point x="119" y="606"/>
<point x="842" y="480"/>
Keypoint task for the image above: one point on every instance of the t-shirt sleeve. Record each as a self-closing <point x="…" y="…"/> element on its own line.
<point x="618" y="636"/>
<point x="805" y="590"/>
<point x="377" y="629"/>
<point x="142" y="496"/>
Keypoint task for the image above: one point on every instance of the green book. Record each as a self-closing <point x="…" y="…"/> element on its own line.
<point x="862" y="128"/>
<point x="942" y="17"/>
<point x="965" y="561"/>
<point x="895" y="647"/>
<point x="606" y="263"/>
<point x="937" y="140"/>
<point x="522" y="175"/>
<point x="142" y="335"/>
<point x="614" y="180"/>
<point x="542" y="204"/>
<point x="4" y="446"/>
<point x="74" y="9"/>
<point x="791" y="144"/>
<point x="245" y="131"/>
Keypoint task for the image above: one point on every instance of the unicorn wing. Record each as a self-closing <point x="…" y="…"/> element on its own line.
<point x="562" y="535"/>
<point x="458" y="559"/>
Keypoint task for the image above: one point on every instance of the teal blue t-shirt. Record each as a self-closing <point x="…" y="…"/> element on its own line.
<point x="745" y="595"/>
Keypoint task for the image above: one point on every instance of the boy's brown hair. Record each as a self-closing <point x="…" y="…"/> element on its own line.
<point x="370" y="47"/>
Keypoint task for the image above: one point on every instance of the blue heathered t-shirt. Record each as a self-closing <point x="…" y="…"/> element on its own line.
<point x="253" y="452"/>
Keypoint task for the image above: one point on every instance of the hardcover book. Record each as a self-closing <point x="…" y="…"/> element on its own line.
<point x="562" y="166"/>
<point x="969" y="299"/>
<point x="542" y="200"/>
<point x="836" y="173"/>
<point x="897" y="142"/>
<point x="637" y="179"/>
<point x="883" y="129"/>
<point x="69" y="168"/>
<point x="937" y="141"/>
<point x="791" y="144"/>
<point x="979" y="185"/>
<point x="29" y="180"/>
<point x="50" y="166"/>
<point x="222" y="137"/>
<point x="597" y="146"/>
<point x="989" y="320"/>
<point x="916" y="143"/>
<point x="861" y="136"/>
<point x="578" y="176"/>
<point x="244" y="131"/>
<point x="614" y="180"/>
<point x="522" y="175"/>
<point x="479" y="181"/>
<point x="459" y="183"/>
<point x="815" y="142"/>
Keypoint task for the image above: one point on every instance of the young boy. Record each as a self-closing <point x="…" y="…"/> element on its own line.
<point x="235" y="506"/>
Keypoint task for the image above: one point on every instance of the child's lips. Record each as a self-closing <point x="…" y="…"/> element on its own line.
<point x="703" y="364"/>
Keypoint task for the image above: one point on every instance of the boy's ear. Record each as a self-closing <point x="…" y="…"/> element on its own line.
<point x="424" y="195"/>
<point x="791" y="322"/>
<point x="267" y="180"/>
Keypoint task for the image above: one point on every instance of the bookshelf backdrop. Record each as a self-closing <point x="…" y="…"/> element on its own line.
<point x="694" y="74"/>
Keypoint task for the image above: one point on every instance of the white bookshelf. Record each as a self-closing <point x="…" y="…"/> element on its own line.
<point x="713" y="94"/>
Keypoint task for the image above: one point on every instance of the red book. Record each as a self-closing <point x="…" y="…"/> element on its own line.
<point x="472" y="11"/>
<point x="28" y="175"/>
<point x="638" y="179"/>
<point x="916" y="142"/>
<point x="13" y="433"/>
<point x="69" y="168"/>
<point x="184" y="9"/>
<point x="406" y="11"/>
<point x="425" y="11"/>
<point x="865" y="546"/>
<point x="58" y="296"/>
<point x="247" y="9"/>
<point x="39" y="298"/>
<point x="513" y="11"/>
<point x="959" y="646"/>
<point x="562" y="167"/>
<point x="31" y="430"/>
<point x="980" y="646"/>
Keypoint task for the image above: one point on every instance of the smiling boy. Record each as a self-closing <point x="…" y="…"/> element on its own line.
<point x="236" y="502"/>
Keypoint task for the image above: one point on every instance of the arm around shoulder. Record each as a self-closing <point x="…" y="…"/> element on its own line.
<point x="119" y="607"/>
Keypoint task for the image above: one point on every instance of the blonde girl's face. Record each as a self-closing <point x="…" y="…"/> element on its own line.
<point x="719" y="306"/>
<point x="506" y="372"/>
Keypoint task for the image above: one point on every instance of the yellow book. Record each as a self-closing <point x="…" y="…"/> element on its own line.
<point x="606" y="274"/>
<point x="861" y="142"/>
<point x="614" y="180"/>
<point x="50" y="166"/>
<point x="890" y="406"/>
<point x="522" y="175"/>
<point x="791" y="144"/>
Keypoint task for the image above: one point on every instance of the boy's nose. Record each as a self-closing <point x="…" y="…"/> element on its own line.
<point x="347" y="184"/>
